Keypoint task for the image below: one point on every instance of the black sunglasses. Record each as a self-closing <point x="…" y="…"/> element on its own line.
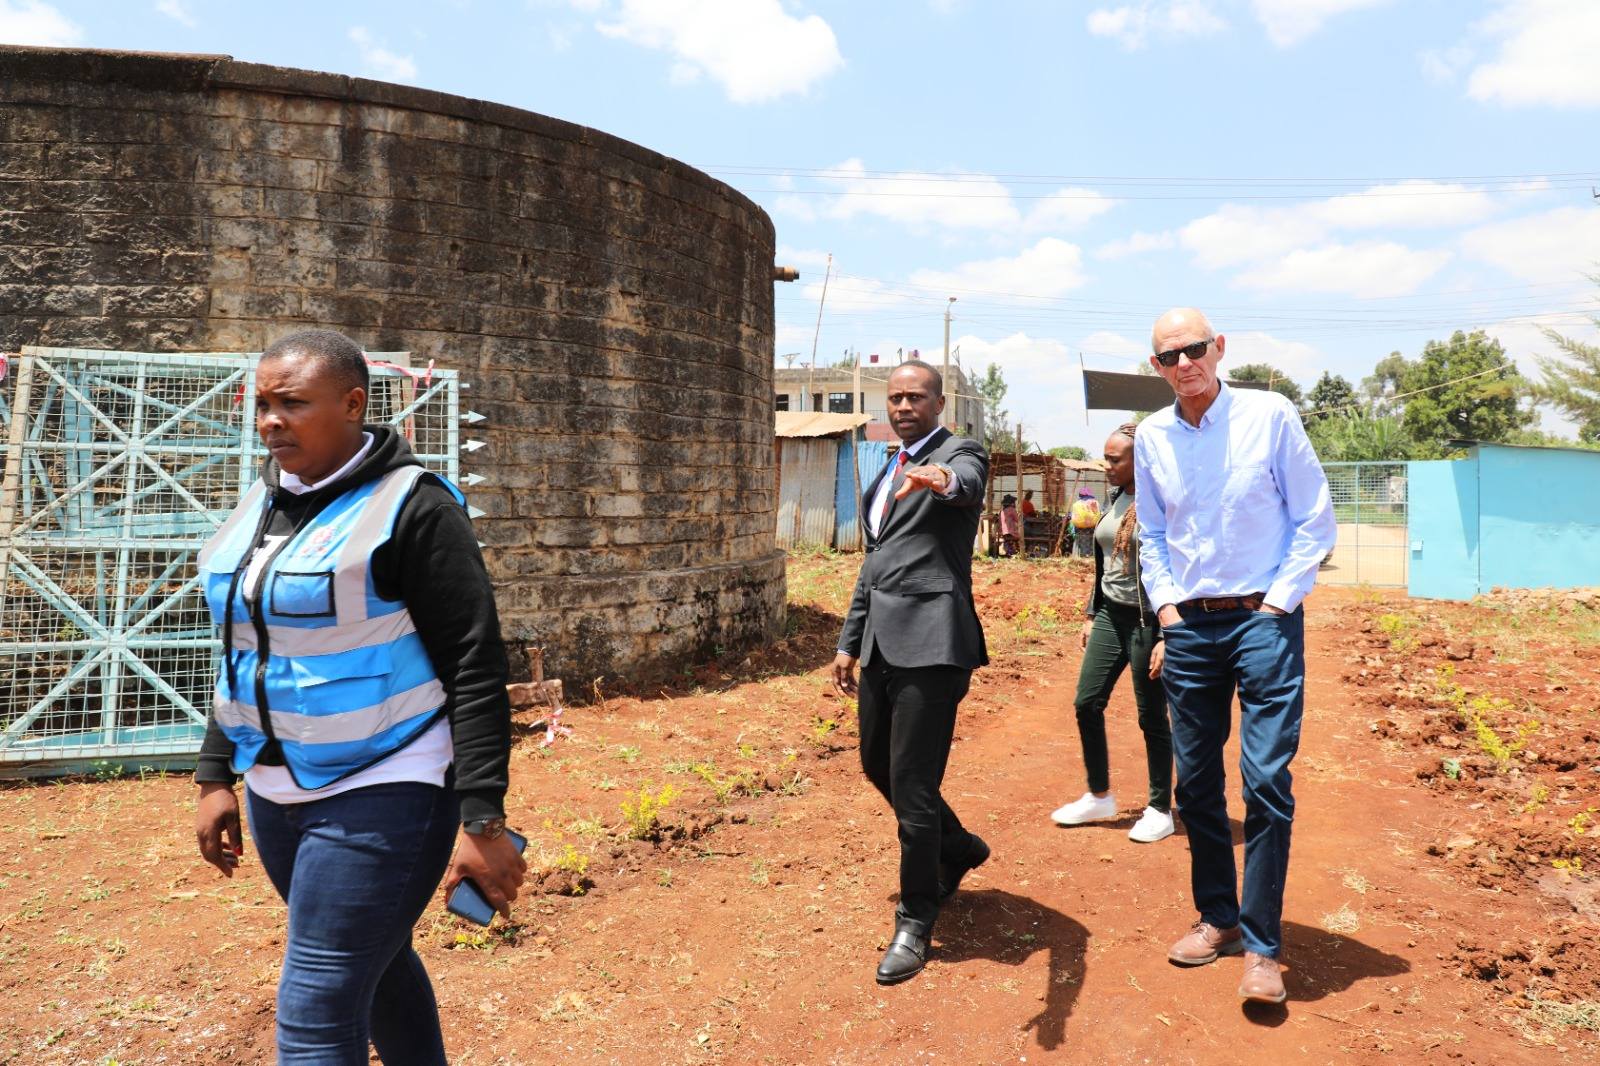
<point x="1193" y="351"/>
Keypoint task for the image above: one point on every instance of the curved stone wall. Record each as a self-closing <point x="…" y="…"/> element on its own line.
<point x="612" y="309"/>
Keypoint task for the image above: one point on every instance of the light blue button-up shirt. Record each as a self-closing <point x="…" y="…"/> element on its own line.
<point x="1235" y="505"/>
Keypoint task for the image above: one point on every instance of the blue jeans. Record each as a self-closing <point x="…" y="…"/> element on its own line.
<point x="357" y="870"/>
<point x="1264" y="655"/>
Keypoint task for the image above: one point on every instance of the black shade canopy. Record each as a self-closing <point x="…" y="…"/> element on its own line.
<point x="1104" y="390"/>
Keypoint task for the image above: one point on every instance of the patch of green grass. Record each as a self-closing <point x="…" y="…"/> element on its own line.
<point x="1399" y="629"/>
<point x="1036" y="621"/>
<point x="643" y="811"/>
<point x="1480" y="714"/>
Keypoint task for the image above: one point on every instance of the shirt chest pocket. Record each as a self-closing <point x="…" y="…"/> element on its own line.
<point x="301" y="595"/>
<point x="1245" y="486"/>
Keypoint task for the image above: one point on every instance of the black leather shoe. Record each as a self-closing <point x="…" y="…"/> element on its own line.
<point x="950" y="876"/>
<point x="907" y="955"/>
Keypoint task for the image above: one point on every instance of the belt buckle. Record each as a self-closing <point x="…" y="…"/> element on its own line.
<point x="1205" y="605"/>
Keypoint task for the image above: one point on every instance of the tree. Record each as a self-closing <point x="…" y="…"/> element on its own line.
<point x="1462" y="389"/>
<point x="1572" y="381"/>
<point x="1384" y="382"/>
<point x="1279" y="383"/>
<point x="1359" y="437"/>
<point x="1332" y="396"/>
<point x="998" y="434"/>
<point x="1069" y="451"/>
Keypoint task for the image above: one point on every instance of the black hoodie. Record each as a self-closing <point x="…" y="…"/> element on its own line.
<point x="433" y="565"/>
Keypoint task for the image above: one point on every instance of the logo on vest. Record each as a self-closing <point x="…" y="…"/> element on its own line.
<point x="317" y="541"/>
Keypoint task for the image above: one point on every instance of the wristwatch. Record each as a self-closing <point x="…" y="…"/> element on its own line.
<point x="487" y="828"/>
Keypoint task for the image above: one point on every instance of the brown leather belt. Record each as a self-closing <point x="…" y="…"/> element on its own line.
<point x="1251" y="602"/>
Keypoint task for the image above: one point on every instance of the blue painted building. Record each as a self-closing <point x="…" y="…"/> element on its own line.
<point x="1504" y="517"/>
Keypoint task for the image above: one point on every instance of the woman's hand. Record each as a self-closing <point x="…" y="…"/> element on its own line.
<point x="1083" y="638"/>
<point x="1158" y="658"/>
<point x="216" y="827"/>
<point x="495" y="866"/>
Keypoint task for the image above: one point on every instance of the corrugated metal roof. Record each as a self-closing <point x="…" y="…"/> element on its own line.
<point x="817" y="423"/>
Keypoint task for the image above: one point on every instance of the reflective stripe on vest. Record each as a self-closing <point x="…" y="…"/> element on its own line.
<point x="347" y="678"/>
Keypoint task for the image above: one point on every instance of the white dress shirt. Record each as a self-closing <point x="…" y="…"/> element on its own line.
<point x="1235" y="505"/>
<point x="886" y="483"/>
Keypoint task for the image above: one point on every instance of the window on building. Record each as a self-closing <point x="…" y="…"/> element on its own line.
<point x="816" y="401"/>
<point x="839" y="403"/>
<point x="781" y="402"/>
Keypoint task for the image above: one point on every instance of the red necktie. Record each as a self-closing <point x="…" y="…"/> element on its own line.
<point x="899" y="463"/>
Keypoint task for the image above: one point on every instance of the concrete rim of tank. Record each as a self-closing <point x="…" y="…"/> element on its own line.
<point x="198" y="72"/>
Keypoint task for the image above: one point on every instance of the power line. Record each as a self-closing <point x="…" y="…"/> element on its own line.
<point x="970" y="175"/>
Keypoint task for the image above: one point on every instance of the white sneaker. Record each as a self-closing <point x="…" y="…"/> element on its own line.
<point x="1084" y="809"/>
<point x="1152" y="826"/>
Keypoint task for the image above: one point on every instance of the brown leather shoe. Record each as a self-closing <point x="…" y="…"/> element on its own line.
<point x="1262" y="983"/>
<point x="1204" y="942"/>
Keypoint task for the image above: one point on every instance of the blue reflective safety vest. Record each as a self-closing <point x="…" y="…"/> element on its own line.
<point x="343" y="673"/>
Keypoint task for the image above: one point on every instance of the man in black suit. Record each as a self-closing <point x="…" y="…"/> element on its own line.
<point x="913" y="628"/>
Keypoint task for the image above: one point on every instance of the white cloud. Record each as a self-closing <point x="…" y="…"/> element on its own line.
<point x="918" y="200"/>
<point x="1554" y="246"/>
<point x="1044" y="387"/>
<point x="754" y="49"/>
<point x="804" y="258"/>
<point x="1050" y="267"/>
<point x="1132" y="25"/>
<point x="923" y="201"/>
<point x="175" y="10"/>
<point x="851" y="293"/>
<point x="1239" y="233"/>
<point x="1416" y="204"/>
<point x="1288" y="22"/>
<point x="1288" y="247"/>
<point x="1365" y="269"/>
<point x="1299" y="361"/>
<point x="1137" y="243"/>
<point x="1067" y="209"/>
<point x="36" y="23"/>
<point x="378" y="61"/>
<point x="1548" y="51"/>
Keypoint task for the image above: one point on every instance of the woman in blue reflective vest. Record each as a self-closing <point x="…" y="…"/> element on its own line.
<point x="362" y="697"/>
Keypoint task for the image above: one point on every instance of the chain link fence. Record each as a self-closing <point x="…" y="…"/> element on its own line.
<point x="1369" y="503"/>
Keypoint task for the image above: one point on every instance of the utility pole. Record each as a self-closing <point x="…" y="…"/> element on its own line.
<point x="811" y="369"/>
<point x="855" y="397"/>
<point x="951" y="419"/>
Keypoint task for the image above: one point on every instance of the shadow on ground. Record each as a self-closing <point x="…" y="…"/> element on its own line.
<point x="1006" y="928"/>
<point x="1319" y="964"/>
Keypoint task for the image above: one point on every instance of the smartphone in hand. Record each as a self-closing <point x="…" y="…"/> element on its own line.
<point x="467" y="901"/>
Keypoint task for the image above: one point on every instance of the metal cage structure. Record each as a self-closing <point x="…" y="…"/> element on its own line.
<point x="118" y="466"/>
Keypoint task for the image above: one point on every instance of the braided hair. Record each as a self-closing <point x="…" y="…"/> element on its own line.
<point x="1123" y="545"/>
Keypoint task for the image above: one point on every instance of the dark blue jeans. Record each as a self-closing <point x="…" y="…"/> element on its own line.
<point x="357" y="870"/>
<point x="1264" y="656"/>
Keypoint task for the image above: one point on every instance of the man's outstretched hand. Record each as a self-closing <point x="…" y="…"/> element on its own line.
<point x="923" y="477"/>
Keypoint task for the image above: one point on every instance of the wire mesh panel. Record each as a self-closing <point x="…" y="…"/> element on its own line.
<point x="118" y="467"/>
<point x="1369" y="503"/>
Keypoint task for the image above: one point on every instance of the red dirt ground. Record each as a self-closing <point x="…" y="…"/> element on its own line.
<point x="1447" y="911"/>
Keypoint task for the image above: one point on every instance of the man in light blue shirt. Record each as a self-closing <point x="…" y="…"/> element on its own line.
<point x="1234" y="517"/>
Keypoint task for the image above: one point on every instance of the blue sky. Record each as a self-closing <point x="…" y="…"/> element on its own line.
<point x="1332" y="180"/>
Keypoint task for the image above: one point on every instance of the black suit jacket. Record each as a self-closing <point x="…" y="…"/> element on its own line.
<point x="913" y="599"/>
